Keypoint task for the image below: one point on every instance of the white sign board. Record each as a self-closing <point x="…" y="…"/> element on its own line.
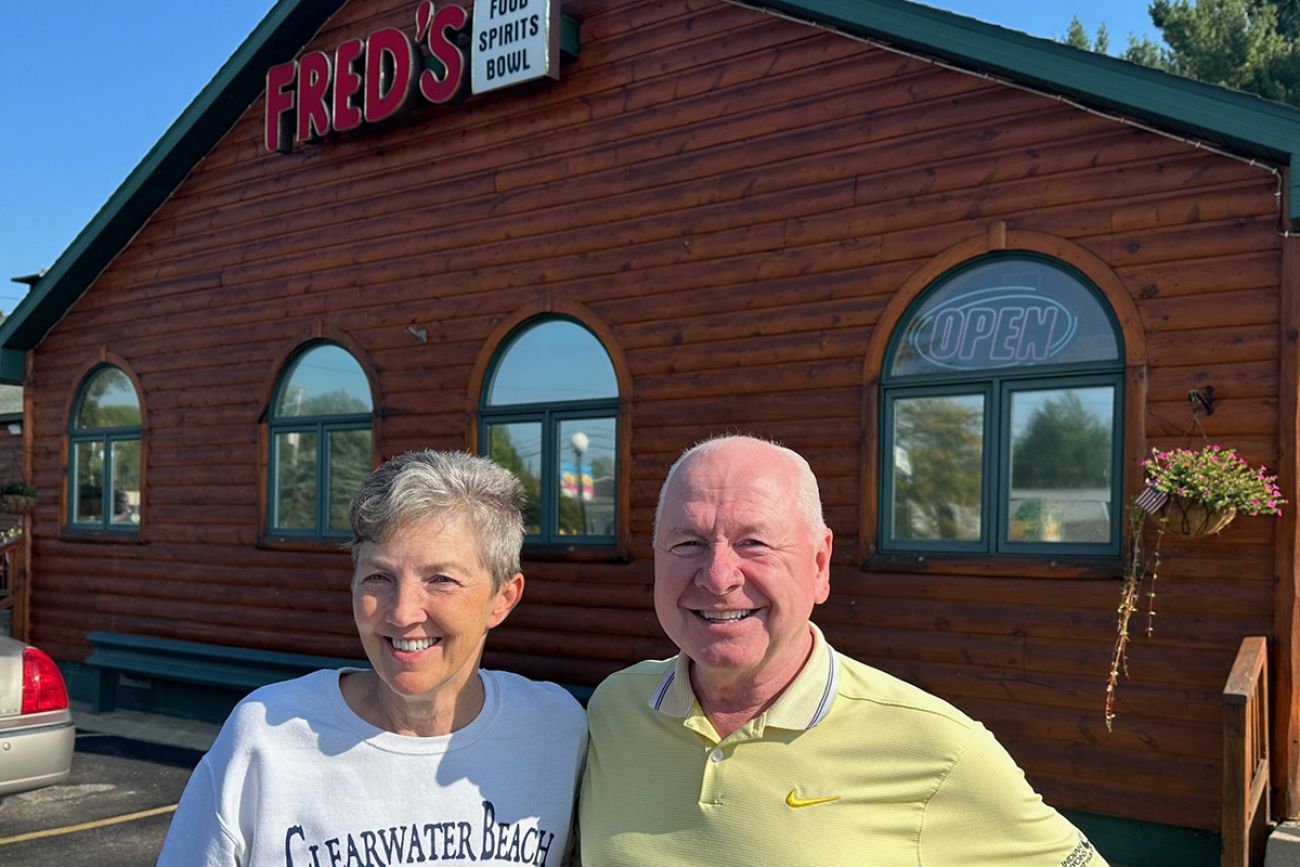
<point x="514" y="41"/>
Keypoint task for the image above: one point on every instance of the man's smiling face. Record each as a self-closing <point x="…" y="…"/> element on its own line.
<point x="737" y="568"/>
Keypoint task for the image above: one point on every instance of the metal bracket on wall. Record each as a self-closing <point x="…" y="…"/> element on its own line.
<point x="1202" y="399"/>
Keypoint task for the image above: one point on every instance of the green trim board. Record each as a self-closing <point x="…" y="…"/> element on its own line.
<point x="1293" y="192"/>
<point x="13" y="365"/>
<point x="570" y="37"/>
<point x="1246" y="124"/>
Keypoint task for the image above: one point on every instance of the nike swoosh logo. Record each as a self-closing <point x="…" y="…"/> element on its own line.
<point x="793" y="800"/>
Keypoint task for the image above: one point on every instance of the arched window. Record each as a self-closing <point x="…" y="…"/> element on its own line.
<point x="320" y="423"/>
<point x="549" y="413"/>
<point x="1002" y="414"/>
<point x="104" y="452"/>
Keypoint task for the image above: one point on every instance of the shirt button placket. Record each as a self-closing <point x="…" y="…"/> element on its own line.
<point x="715" y="760"/>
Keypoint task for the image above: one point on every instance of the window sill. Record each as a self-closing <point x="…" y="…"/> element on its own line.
<point x="1029" y="566"/>
<point x="575" y="553"/>
<point x="101" y="537"/>
<point x="303" y="545"/>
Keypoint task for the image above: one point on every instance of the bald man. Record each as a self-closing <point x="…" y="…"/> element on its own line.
<point x="758" y="743"/>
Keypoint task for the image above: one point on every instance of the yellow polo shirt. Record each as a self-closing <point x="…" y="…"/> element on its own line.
<point x="849" y="766"/>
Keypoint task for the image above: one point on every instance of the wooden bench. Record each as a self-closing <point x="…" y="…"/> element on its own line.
<point x="237" y="668"/>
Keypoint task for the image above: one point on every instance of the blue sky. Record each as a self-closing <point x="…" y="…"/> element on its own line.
<point x="95" y="85"/>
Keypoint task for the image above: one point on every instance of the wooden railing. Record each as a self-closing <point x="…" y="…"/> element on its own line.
<point x="13" y="574"/>
<point x="1245" y="757"/>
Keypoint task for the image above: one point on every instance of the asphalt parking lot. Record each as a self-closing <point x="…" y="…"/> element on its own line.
<point x="114" y="808"/>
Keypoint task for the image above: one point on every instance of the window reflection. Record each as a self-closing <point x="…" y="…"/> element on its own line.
<point x="126" y="482"/>
<point x="586" y="463"/>
<point x="554" y="360"/>
<point x="324" y="380"/>
<point x="1023" y="460"/>
<point x="295" y="481"/>
<point x="550" y="414"/>
<point x="105" y="454"/>
<point x="938" y="463"/>
<point x="349" y="464"/>
<point x="88" y="503"/>
<point x="109" y="400"/>
<point x="321" y="430"/>
<point x="1061" y="465"/>
<point x="518" y="448"/>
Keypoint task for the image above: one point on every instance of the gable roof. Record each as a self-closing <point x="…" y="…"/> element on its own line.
<point x="1239" y="122"/>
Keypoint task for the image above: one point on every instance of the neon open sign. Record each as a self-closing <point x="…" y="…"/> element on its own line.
<point x="1002" y="326"/>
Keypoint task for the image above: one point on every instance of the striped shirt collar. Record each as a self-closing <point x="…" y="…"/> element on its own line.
<point x="803" y="704"/>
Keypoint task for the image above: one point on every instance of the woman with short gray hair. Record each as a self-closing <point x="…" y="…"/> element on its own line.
<point x="415" y="485"/>
<point x="425" y="756"/>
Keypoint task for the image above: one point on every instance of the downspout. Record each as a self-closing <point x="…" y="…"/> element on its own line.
<point x="1285" y="740"/>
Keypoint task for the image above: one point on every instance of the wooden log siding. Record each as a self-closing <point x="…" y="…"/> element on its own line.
<point x="737" y="199"/>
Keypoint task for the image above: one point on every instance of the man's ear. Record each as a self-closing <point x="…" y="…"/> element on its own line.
<point x="508" y="596"/>
<point x="823" y="559"/>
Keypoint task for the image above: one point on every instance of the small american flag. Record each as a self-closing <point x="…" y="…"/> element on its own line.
<point x="1152" y="499"/>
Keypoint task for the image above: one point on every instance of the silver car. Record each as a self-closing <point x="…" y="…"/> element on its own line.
<point x="36" y="733"/>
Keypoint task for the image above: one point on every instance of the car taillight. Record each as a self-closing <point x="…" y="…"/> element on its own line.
<point x="43" y="687"/>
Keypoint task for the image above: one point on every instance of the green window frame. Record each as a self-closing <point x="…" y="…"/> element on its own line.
<point x="320" y="442"/>
<point x="1018" y="455"/>
<point x="563" y="447"/>
<point x="105" y="463"/>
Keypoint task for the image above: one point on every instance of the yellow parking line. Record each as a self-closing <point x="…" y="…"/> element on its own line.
<point x="86" y="826"/>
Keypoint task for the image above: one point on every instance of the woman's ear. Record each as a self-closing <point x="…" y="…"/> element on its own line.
<point x="508" y="596"/>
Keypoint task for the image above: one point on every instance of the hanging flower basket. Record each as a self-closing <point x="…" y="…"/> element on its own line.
<point x="18" y="504"/>
<point x="1189" y="492"/>
<point x="1187" y="517"/>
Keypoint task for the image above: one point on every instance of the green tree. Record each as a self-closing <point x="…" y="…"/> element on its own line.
<point x="295" y="480"/>
<point x="937" y="490"/>
<point x="570" y="517"/>
<point x="1064" y="446"/>
<point x="1250" y="45"/>
<point x="1078" y="37"/>
<point x="502" y="450"/>
<point x="349" y="460"/>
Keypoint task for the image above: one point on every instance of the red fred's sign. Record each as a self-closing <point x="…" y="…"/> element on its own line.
<point x="365" y="80"/>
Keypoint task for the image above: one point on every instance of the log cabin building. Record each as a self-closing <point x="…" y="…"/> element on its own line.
<point x="972" y="275"/>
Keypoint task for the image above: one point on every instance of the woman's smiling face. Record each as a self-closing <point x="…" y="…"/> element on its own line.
<point x="423" y="603"/>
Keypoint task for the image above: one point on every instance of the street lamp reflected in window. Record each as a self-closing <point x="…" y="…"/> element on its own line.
<point x="580" y="443"/>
